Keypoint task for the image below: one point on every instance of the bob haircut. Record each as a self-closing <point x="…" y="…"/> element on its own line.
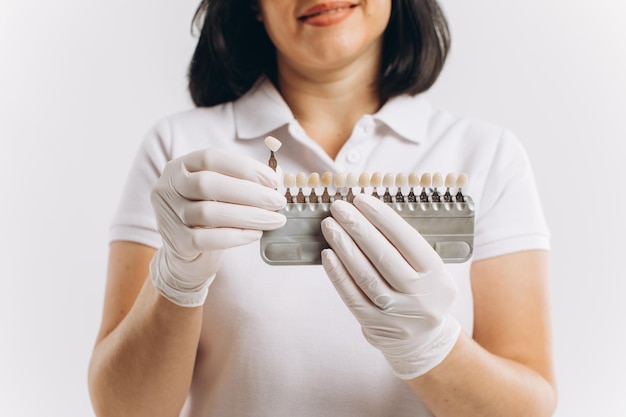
<point x="234" y="50"/>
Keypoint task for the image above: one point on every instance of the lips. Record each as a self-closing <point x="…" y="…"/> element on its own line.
<point x="326" y="9"/>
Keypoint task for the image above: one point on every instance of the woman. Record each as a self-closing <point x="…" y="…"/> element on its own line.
<point x="214" y="331"/>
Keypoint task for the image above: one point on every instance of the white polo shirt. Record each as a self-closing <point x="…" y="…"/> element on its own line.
<point x="277" y="340"/>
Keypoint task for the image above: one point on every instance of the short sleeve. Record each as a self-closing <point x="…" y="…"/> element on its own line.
<point x="134" y="218"/>
<point x="509" y="217"/>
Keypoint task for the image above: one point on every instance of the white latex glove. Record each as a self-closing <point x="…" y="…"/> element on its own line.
<point x="205" y="202"/>
<point x="393" y="282"/>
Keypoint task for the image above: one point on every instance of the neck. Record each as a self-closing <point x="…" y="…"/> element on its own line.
<point x="328" y="103"/>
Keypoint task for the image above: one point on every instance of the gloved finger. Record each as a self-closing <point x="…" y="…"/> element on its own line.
<point x="216" y="214"/>
<point x="381" y="253"/>
<point x="347" y="289"/>
<point x="230" y="164"/>
<point x="354" y="261"/>
<point x="207" y="185"/>
<point x="203" y="240"/>
<point x="412" y="245"/>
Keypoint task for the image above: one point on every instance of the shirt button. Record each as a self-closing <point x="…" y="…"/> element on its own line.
<point x="353" y="157"/>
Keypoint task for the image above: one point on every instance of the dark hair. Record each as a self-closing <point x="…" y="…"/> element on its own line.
<point x="234" y="50"/>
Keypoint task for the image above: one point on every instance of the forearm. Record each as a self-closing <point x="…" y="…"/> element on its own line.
<point x="144" y="366"/>
<point x="473" y="382"/>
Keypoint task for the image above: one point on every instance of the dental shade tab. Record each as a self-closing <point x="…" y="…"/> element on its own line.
<point x="444" y="218"/>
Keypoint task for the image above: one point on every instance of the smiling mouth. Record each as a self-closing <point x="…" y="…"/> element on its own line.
<point x="325" y="12"/>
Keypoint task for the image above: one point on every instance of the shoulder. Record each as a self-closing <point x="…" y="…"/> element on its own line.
<point x="481" y="143"/>
<point x="467" y="132"/>
<point x="197" y="119"/>
<point x="186" y="131"/>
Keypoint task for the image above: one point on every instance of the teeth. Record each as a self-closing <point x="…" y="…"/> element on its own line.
<point x="401" y="180"/>
<point x="431" y="185"/>
<point x="327" y="179"/>
<point x="450" y="180"/>
<point x="437" y="180"/>
<point x="351" y="180"/>
<point x="376" y="180"/>
<point x="388" y="180"/>
<point x="364" y="180"/>
<point x="289" y="180"/>
<point x="325" y="12"/>
<point x="461" y="181"/>
<point x="314" y="180"/>
<point x="301" y="179"/>
<point x="340" y="180"/>
<point x="272" y="143"/>
<point x="414" y="179"/>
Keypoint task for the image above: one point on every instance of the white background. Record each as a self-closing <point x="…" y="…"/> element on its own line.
<point x="81" y="82"/>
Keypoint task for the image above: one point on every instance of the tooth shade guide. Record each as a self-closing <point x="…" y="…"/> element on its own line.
<point x="343" y="187"/>
<point x="447" y="226"/>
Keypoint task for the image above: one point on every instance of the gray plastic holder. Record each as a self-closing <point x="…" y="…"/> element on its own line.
<point x="447" y="226"/>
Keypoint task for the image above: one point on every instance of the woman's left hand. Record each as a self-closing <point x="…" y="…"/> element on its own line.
<point x="393" y="282"/>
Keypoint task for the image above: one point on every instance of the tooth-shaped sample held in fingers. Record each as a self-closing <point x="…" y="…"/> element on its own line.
<point x="364" y="181"/>
<point x="272" y="143"/>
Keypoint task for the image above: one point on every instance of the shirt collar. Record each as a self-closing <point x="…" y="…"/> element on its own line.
<point x="407" y="116"/>
<point x="262" y="110"/>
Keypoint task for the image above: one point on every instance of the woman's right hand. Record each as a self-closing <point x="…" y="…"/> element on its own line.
<point x="207" y="201"/>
